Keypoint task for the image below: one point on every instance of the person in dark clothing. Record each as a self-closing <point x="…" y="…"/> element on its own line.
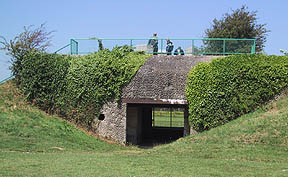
<point x="179" y="51"/>
<point x="169" y="47"/>
<point x="153" y="43"/>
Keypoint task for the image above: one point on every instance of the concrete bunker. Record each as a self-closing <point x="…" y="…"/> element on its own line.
<point x="159" y="85"/>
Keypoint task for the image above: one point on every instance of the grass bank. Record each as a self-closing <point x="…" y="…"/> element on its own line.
<point x="33" y="143"/>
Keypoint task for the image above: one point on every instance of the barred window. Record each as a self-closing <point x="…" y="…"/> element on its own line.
<point x="167" y="117"/>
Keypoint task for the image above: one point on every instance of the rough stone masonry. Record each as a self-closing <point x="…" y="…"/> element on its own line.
<point x="161" y="79"/>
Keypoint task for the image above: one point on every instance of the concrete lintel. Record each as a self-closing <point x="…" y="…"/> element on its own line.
<point x="154" y="101"/>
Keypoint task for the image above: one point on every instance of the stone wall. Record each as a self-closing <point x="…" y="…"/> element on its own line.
<point x="161" y="77"/>
<point x="114" y="124"/>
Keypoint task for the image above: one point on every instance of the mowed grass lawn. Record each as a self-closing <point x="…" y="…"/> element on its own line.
<point x="33" y="143"/>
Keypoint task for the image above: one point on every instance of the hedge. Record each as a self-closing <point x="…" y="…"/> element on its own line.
<point x="43" y="79"/>
<point x="77" y="86"/>
<point x="229" y="87"/>
<point x="97" y="78"/>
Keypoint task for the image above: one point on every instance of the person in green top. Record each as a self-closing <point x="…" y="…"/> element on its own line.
<point x="153" y="43"/>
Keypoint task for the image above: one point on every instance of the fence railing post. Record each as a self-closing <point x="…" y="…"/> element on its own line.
<point x="71" y="46"/>
<point x="192" y="46"/>
<point x="77" y="52"/>
<point x="224" y="46"/>
<point x="253" y="47"/>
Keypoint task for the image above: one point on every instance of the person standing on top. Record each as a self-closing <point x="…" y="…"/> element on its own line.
<point x="169" y="47"/>
<point x="153" y="43"/>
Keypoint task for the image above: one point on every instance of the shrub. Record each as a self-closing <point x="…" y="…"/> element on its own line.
<point x="95" y="79"/>
<point x="43" y="79"/>
<point x="226" y="88"/>
<point x="78" y="86"/>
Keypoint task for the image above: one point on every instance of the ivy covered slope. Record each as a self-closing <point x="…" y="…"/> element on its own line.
<point x="43" y="79"/>
<point x="229" y="87"/>
<point x="76" y="87"/>
<point x="96" y="78"/>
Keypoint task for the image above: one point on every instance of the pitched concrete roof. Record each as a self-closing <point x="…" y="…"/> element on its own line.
<point x="161" y="79"/>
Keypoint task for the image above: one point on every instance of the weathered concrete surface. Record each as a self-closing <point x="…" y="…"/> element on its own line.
<point x="162" y="77"/>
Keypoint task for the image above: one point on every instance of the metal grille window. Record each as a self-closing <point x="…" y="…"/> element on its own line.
<point x="168" y="117"/>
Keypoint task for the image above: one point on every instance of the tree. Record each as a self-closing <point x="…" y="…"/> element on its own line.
<point x="31" y="39"/>
<point x="240" y="24"/>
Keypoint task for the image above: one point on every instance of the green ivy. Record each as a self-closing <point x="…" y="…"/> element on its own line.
<point x="43" y="79"/>
<point x="229" y="87"/>
<point x="77" y="86"/>
<point x="97" y="78"/>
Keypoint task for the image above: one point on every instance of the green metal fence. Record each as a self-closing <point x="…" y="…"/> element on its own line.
<point x="5" y="80"/>
<point x="201" y="46"/>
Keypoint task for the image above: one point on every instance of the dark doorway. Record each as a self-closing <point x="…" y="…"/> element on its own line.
<point x="155" y="124"/>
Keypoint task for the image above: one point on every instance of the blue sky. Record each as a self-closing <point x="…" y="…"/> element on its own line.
<point x="133" y="19"/>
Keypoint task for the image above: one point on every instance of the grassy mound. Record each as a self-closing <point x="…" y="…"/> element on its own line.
<point x="35" y="144"/>
<point x="265" y="126"/>
<point x="26" y="128"/>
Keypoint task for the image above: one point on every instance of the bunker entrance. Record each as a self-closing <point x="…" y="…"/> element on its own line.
<point x="150" y="125"/>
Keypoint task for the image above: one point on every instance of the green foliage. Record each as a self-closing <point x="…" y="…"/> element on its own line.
<point x="43" y="79"/>
<point x="76" y="87"/>
<point x="228" y="87"/>
<point x="239" y="24"/>
<point x="96" y="78"/>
